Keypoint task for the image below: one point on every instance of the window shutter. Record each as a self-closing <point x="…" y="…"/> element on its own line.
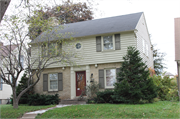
<point x="45" y="82"/>
<point x="101" y="78"/>
<point x="117" y="73"/>
<point x="60" y="81"/>
<point x="117" y="42"/>
<point x="59" y="50"/>
<point x="98" y="44"/>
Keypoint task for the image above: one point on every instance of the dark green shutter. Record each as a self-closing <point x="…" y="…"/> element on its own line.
<point x="101" y="78"/>
<point x="60" y="81"/>
<point x="98" y="44"/>
<point x="45" y="82"/>
<point x="117" y="42"/>
<point x="117" y="73"/>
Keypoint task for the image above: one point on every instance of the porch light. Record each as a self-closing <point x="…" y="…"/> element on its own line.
<point x="96" y="65"/>
<point x="63" y="68"/>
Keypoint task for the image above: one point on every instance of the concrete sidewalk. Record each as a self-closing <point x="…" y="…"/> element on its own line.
<point x="32" y="115"/>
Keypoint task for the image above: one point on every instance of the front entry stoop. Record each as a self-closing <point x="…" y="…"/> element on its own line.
<point x="72" y="101"/>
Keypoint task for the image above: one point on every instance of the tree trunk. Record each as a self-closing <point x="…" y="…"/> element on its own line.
<point x="15" y="100"/>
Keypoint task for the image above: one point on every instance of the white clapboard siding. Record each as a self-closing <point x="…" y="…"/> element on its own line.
<point x="88" y="54"/>
<point x="144" y="34"/>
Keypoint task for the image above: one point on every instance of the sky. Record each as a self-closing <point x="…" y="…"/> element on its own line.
<point x="159" y="15"/>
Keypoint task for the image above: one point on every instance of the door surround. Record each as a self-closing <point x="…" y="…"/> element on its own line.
<point x="73" y="78"/>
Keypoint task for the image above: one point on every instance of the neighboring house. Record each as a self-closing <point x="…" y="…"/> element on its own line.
<point x="3" y="6"/>
<point x="177" y="49"/>
<point x="101" y="43"/>
<point x="169" y="74"/>
<point x="6" y="90"/>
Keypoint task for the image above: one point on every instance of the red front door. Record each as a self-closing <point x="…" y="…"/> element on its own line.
<point x="80" y="82"/>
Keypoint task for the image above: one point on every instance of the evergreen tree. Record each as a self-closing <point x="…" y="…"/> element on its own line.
<point x="21" y="86"/>
<point x="133" y="81"/>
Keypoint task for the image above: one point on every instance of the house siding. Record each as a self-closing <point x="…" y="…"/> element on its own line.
<point x="88" y="54"/>
<point x="144" y="34"/>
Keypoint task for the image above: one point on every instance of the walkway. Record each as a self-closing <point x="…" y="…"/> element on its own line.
<point x="32" y="115"/>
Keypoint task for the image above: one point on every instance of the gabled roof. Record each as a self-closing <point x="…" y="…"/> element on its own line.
<point x="168" y="74"/>
<point x="95" y="27"/>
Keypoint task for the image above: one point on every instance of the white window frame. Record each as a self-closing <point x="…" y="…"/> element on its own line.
<point x="102" y="42"/>
<point x="49" y="82"/>
<point x="106" y="87"/>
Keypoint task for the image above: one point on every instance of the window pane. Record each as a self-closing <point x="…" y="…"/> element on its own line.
<point x="108" y="46"/>
<point x="53" y="76"/>
<point x="110" y="77"/>
<point x="108" y="42"/>
<point x="53" y="81"/>
<point x="107" y="39"/>
<point x="54" y="84"/>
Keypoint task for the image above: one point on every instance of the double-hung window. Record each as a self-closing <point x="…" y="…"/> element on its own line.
<point x="108" y="43"/>
<point x="110" y="78"/>
<point x="51" y="49"/>
<point x="53" y="82"/>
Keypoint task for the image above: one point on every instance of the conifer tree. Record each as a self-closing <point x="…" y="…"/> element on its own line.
<point x="133" y="81"/>
<point x="21" y="86"/>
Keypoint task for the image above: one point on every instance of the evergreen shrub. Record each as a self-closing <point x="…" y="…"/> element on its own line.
<point x="37" y="99"/>
<point x="104" y="96"/>
<point x="133" y="82"/>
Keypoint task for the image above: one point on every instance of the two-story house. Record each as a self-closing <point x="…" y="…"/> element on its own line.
<point x="177" y="49"/>
<point x="101" y="43"/>
<point x="5" y="89"/>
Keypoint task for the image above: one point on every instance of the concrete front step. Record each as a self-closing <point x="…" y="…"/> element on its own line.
<point x="71" y="101"/>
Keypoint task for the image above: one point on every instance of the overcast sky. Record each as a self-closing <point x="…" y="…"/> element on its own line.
<point x="159" y="16"/>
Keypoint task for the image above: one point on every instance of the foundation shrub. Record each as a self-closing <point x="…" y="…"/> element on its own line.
<point x="37" y="99"/>
<point x="104" y="96"/>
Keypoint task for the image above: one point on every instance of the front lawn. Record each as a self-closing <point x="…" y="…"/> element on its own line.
<point x="7" y="111"/>
<point x="162" y="109"/>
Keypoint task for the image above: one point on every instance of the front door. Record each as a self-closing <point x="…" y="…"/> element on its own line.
<point x="80" y="82"/>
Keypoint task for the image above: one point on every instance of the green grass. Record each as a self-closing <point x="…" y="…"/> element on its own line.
<point x="7" y="111"/>
<point x="162" y="109"/>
